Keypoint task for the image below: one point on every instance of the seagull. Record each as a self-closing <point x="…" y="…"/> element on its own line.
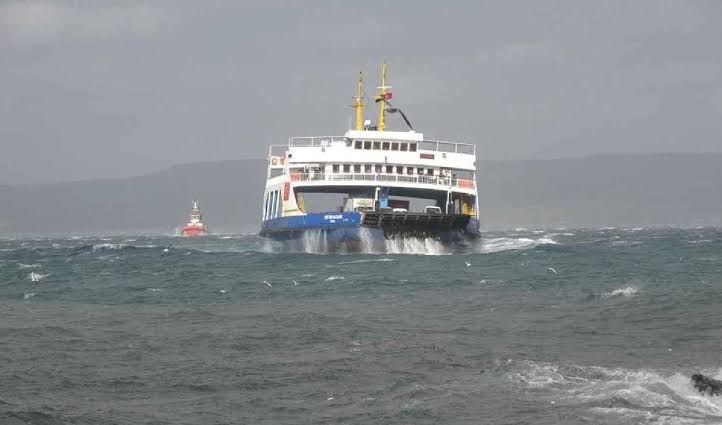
<point x="166" y="249"/>
<point x="551" y="269"/>
<point x="468" y="263"/>
<point x="222" y="291"/>
<point x="295" y="283"/>
<point x="268" y="283"/>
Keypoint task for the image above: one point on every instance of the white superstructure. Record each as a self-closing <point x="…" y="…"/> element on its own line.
<point x="371" y="165"/>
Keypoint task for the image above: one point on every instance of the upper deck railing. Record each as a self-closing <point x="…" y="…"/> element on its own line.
<point x="425" y="145"/>
<point x="385" y="178"/>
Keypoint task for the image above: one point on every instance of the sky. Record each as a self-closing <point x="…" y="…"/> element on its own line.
<point x="104" y="89"/>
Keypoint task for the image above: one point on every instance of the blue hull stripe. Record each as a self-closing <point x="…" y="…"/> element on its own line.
<point x="328" y="220"/>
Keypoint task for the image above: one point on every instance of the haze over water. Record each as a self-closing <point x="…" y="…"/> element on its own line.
<point x="543" y="327"/>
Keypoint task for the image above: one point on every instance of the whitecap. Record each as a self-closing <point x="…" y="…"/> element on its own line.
<point x="29" y="266"/>
<point x="627" y="291"/>
<point x="330" y="278"/>
<point x="29" y="295"/>
<point x="508" y="244"/>
<point x="108" y="246"/>
<point x="380" y="260"/>
<point x="37" y="277"/>
<point x="657" y="396"/>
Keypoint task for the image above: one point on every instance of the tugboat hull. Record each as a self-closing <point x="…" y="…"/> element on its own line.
<point x="193" y="232"/>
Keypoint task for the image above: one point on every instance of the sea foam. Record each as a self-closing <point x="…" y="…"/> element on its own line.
<point x="617" y="392"/>
<point x="627" y="291"/>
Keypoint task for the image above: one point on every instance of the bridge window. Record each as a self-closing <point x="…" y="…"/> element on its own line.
<point x="394" y="146"/>
<point x="389" y="169"/>
<point x="404" y="147"/>
<point x="385" y="146"/>
<point x="399" y="169"/>
<point x="409" y="170"/>
<point x="367" y="145"/>
<point x="420" y="171"/>
<point x="358" y="144"/>
<point x="412" y="147"/>
<point x="357" y="168"/>
<point x="430" y="172"/>
<point x="346" y="168"/>
<point x="335" y="168"/>
<point x="367" y="168"/>
<point x="377" y="146"/>
<point x="378" y="168"/>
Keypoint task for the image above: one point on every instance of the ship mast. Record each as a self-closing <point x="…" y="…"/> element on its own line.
<point x="382" y="97"/>
<point x="358" y="104"/>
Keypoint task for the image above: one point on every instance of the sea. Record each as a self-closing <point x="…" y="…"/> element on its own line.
<point x="550" y="326"/>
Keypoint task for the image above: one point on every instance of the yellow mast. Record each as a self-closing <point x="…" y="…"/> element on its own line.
<point x="358" y="104"/>
<point x="381" y="99"/>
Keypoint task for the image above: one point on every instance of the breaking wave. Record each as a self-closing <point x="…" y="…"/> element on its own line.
<point x="37" y="277"/>
<point x="509" y="244"/>
<point x="318" y="242"/>
<point x="331" y="278"/>
<point x="627" y="291"/>
<point x="624" y="394"/>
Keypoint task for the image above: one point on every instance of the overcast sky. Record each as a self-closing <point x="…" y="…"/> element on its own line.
<point x="117" y="88"/>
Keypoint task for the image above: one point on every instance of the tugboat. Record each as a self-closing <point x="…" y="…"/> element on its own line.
<point x="195" y="226"/>
<point x="378" y="173"/>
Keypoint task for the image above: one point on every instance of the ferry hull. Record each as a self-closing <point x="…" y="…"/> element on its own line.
<point x="347" y="232"/>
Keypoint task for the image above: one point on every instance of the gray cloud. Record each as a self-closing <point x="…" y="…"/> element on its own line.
<point x="94" y="89"/>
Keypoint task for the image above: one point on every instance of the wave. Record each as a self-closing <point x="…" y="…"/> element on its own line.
<point x="617" y="392"/>
<point x="380" y="260"/>
<point x="416" y="246"/>
<point x="508" y="244"/>
<point x="627" y="292"/>
<point x="108" y="245"/>
<point x="330" y="278"/>
<point x="28" y="266"/>
<point x="37" y="277"/>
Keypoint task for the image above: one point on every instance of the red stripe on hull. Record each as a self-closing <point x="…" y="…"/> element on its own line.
<point x="193" y="231"/>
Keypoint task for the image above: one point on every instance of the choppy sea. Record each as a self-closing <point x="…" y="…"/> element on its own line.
<point x="583" y="326"/>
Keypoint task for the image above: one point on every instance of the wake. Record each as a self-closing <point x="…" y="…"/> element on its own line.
<point x="619" y="394"/>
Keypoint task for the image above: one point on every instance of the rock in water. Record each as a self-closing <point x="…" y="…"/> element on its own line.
<point x="707" y="385"/>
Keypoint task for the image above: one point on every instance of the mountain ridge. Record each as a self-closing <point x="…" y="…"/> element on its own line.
<point x="667" y="189"/>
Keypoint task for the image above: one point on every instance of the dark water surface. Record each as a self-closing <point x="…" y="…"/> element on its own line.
<point x="565" y="326"/>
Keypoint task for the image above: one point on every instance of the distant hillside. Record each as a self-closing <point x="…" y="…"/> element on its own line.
<point x="637" y="190"/>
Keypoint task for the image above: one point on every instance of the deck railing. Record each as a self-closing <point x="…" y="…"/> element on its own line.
<point x="424" y="145"/>
<point x="386" y="178"/>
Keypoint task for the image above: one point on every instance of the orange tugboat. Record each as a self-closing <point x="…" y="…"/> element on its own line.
<point x="195" y="226"/>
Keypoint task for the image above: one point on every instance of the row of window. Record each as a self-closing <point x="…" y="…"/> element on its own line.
<point x="384" y="146"/>
<point x="381" y="168"/>
<point x="272" y="205"/>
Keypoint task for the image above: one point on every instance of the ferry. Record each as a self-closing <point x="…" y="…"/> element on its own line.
<point x="391" y="184"/>
<point x="195" y="225"/>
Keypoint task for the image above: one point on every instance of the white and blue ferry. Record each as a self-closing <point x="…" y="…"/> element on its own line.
<point x="391" y="183"/>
